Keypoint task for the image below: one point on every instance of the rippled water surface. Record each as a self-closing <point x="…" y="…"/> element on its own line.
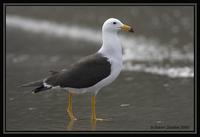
<point x="155" y="88"/>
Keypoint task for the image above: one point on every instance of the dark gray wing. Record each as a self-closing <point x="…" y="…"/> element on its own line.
<point x="85" y="73"/>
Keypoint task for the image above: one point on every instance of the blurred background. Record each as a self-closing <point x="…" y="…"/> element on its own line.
<point x="155" y="87"/>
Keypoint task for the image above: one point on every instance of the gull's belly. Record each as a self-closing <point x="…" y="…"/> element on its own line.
<point x="116" y="68"/>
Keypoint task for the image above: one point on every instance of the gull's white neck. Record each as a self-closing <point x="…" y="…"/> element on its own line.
<point x="111" y="46"/>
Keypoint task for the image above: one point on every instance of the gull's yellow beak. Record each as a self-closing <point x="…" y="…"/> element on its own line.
<point x="127" y="28"/>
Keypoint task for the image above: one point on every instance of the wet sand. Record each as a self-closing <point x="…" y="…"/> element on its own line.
<point x="149" y="100"/>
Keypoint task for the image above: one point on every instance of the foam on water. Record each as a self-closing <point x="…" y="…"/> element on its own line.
<point x="142" y="49"/>
<point x="135" y="48"/>
<point x="52" y="28"/>
<point x="173" y="72"/>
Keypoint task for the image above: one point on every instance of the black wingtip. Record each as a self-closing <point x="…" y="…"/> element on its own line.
<point x="39" y="89"/>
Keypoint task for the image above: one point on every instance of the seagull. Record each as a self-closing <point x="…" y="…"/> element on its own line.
<point x="91" y="73"/>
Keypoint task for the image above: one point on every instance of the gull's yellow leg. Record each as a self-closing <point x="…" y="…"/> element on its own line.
<point x="93" y="103"/>
<point x="69" y="109"/>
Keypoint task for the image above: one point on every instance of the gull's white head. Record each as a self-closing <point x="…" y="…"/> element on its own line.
<point x="114" y="25"/>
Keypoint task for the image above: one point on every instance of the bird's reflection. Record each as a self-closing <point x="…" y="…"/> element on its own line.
<point x="93" y="125"/>
<point x="70" y="125"/>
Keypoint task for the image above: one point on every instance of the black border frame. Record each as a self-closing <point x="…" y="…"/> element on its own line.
<point x="101" y="4"/>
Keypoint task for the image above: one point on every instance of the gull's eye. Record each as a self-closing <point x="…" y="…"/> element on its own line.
<point x="114" y="23"/>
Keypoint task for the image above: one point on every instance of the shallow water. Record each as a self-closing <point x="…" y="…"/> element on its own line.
<point x="153" y="92"/>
